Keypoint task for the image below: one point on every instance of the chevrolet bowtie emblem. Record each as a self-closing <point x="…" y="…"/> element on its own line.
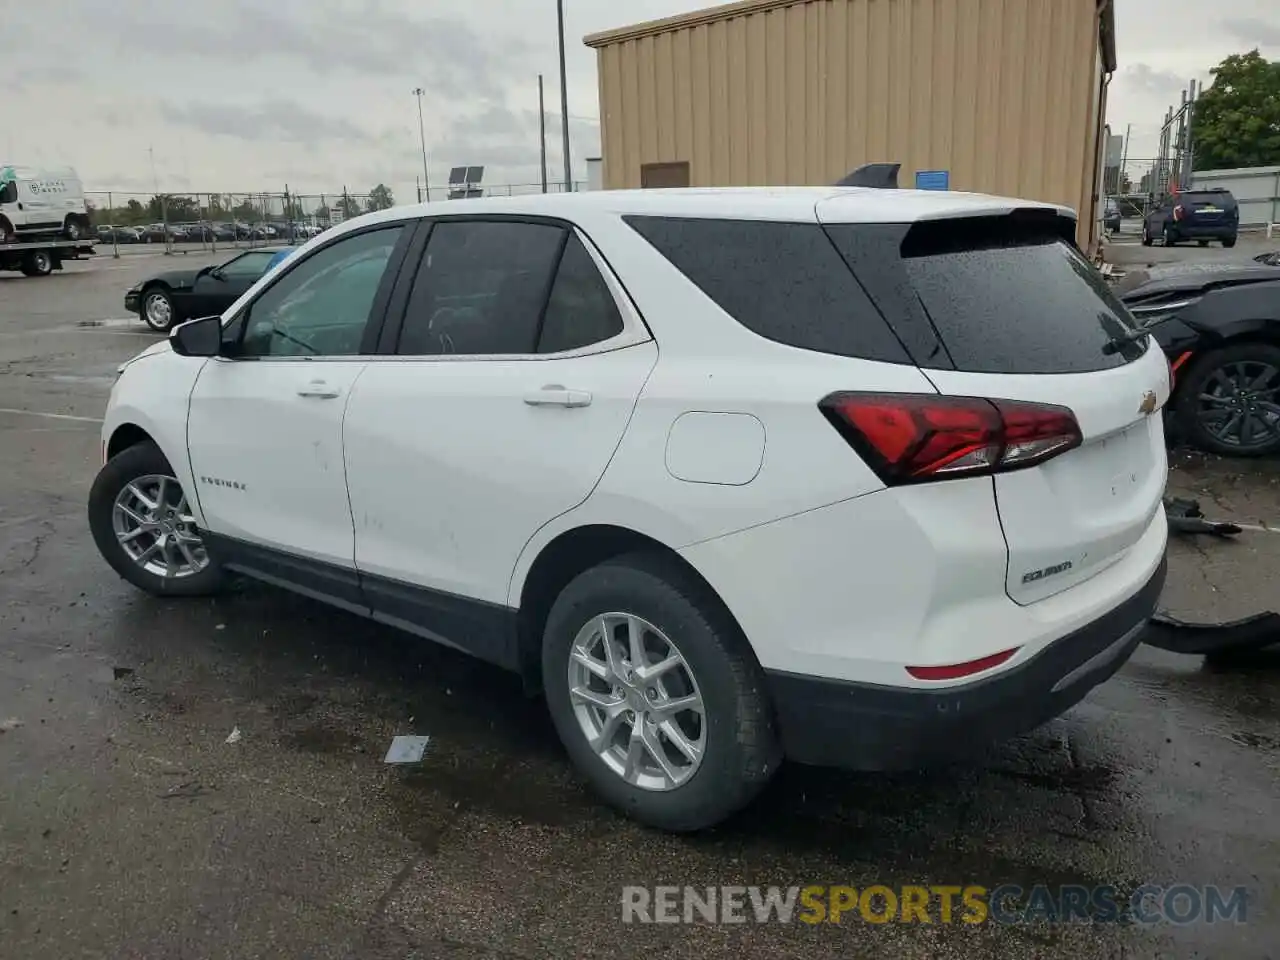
<point x="1148" y="404"/>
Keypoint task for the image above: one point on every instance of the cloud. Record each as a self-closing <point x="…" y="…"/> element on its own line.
<point x="1254" y="30"/>
<point x="326" y="36"/>
<point x="273" y="121"/>
<point x="1159" y="83"/>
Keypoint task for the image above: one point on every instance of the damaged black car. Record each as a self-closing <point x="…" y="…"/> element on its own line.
<point x="1219" y="325"/>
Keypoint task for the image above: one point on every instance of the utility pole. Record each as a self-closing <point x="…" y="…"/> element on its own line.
<point x="1184" y="148"/>
<point x="542" y="132"/>
<point x="1124" y="157"/>
<point x="564" y="101"/>
<point x="426" y="180"/>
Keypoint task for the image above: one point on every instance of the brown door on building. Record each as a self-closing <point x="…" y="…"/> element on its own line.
<point x="658" y="175"/>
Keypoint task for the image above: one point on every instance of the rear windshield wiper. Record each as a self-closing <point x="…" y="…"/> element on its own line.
<point x="1122" y="340"/>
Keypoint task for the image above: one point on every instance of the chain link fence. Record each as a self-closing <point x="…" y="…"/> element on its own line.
<point x="208" y="222"/>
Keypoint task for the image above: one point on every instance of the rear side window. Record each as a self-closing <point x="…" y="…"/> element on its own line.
<point x="480" y="288"/>
<point x="783" y="281"/>
<point x="581" y="310"/>
<point x="1000" y="301"/>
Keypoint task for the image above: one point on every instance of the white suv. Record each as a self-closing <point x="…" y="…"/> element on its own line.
<point x="855" y="477"/>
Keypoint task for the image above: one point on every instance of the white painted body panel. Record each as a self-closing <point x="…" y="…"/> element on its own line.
<point x="451" y="472"/>
<point x="248" y="425"/>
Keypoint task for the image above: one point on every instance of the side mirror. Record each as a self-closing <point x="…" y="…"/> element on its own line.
<point x="197" y="338"/>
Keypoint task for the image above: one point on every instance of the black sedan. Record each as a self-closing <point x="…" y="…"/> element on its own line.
<point x="1219" y="325"/>
<point x="176" y="295"/>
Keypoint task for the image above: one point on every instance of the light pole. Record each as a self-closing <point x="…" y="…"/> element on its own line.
<point x="422" y="136"/>
<point x="564" y="101"/>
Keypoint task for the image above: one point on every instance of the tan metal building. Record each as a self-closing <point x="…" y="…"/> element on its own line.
<point x="1007" y="96"/>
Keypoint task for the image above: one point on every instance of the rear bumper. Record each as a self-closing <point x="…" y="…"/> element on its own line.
<point x="1206" y="231"/>
<point x="132" y="301"/>
<point x="875" y="727"/>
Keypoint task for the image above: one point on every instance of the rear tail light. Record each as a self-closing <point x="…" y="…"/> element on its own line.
<point x="917" y="438"/>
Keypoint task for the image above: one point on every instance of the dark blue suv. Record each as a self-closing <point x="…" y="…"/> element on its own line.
<point x="1200" y="215"/>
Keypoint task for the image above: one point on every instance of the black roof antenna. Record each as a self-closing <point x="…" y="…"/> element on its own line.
<point x="882" y="176"/>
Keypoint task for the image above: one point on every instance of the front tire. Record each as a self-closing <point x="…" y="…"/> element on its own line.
<point x="656" y="695"/>
<point x="1229" y="401"/>
<point x="1146" y="236"/>
<point x="158" y="311"/>
<point x="1170" y="238"/>
<point x="142" y="524"/>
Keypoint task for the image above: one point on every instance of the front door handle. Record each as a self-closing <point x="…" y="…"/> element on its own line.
<point x="319" y="390"/>
<point x="555" y="395"/>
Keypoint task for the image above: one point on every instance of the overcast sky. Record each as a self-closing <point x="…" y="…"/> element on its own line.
<point x="253" y="94"/>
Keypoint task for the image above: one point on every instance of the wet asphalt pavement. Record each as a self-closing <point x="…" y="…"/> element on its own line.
<point x="130" y="828"/>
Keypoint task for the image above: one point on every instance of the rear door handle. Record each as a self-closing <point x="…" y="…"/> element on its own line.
<point x="555" y="395"/>
<point x="319" y="390"/>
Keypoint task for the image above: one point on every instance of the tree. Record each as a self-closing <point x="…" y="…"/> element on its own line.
<point x="176" y="209"/>
<point x="322" y="212"/>
<point x="380" y="198"/>
<point x="348" y="207"/>
<point x="1236" y="122"/>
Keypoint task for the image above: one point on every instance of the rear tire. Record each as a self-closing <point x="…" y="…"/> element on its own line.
<point x="738" y="750"/>
<point x="1229" y="243"/>
<point x="1199" y="379"/>
<point x="1170" y="238"/>
<point x="1203" y="243"/>
<point x="37" y="263"/>
<point x="133" y="466"/>
<point x="1146" y="236"/>
<point x="75" y="227"/>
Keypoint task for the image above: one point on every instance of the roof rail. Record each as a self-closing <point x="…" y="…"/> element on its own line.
<point x="881" y="176"/>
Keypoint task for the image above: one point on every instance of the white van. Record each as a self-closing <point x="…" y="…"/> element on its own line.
<point x="39" y="201"/>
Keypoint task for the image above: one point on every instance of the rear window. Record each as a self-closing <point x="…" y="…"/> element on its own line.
<point x="1208" y="198"/>
<point x="783" y="281"/>
<point x="1000" y="298"/>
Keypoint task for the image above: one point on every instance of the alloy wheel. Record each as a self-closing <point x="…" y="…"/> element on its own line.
<point x="1239" y="403"/>
<point x="637" y="701"/>
<point x="155" y="528"/>
<point x="159" y="313"/>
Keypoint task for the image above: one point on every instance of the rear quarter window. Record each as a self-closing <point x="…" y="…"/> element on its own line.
<point x="783" y="281"/>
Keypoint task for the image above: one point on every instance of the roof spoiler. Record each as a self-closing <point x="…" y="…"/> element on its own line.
<point x="881" y="176"/>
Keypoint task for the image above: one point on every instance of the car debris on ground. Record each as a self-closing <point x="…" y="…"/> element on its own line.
<point x="407" y="749"/>
<point x="1225" y="641"/>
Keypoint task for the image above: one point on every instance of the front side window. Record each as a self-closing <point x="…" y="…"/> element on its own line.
<point x="321" y="307"/>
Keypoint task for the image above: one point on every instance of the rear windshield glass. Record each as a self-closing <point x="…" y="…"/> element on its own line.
<point x="1003" y="303"/>
<point x="1209" y="198"/>
<point x="783" y="281"/>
